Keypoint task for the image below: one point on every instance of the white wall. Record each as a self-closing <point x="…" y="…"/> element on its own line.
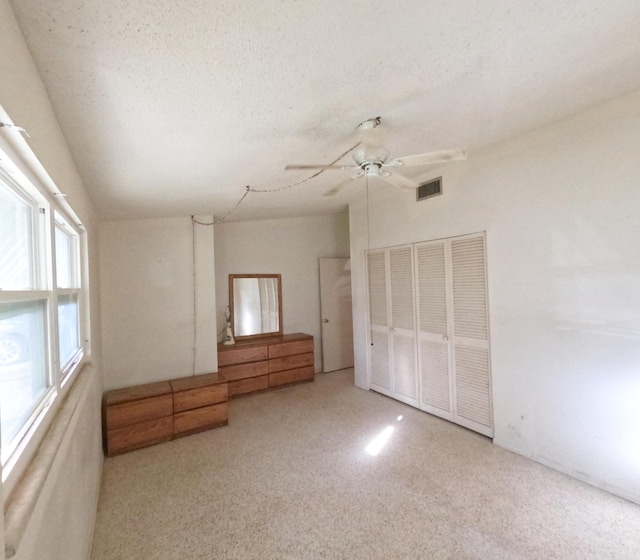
<point x="147" y="287"/>
<point x="153" y="329"/>
<point x="561" y="208"/>
<point x="23" y="96"/>
<point x="290" y="247"/>
<point x="62" y="522"/>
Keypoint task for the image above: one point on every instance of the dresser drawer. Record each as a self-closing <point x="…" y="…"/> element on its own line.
<point x="200" y="419"/>
<point x="289" y="348"/>
<point x="243" y="371"/>
<point x="250" y="385"/>
<point x="199" y="396"/>
<point x="127" y="413"/>
<point x="139" y="435"/>
<point x="290" y="362"/>
<point x="243" y="355"/>
<point x="297" y="375"/>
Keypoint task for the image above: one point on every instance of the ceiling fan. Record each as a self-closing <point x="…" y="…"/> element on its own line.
<point x="371" y="158"/>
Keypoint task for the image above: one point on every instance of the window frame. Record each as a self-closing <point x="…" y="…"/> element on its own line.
<point x="32" y="184"/>
<point x="60" y="223"/>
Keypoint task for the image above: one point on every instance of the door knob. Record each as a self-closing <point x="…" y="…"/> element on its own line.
<point x="325" y="320"/>
<point x="445" y="338"/>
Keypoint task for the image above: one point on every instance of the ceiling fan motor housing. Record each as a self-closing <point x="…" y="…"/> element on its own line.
<point x="375" y="170"/>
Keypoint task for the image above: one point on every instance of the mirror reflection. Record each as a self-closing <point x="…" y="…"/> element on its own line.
<point x="255" y="304"/>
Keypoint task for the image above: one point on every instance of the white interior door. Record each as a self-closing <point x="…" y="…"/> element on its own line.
<point x="335" y="308"/>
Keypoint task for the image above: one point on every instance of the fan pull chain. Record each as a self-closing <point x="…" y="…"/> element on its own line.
<point x="366" y="182"/>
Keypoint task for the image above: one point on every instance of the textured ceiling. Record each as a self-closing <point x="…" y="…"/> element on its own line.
<point x="172" y="107"/>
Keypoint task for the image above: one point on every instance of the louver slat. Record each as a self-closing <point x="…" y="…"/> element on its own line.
<point x="380" y="360"/>
<point x="472" y="385"/>
<point x="432" y="288"/>
<point x="404" y="366"/>
<point x="402" y="308"/>
<point x="435" y="375"/>
<point x="377" y="288"/>
<point x="469" y="288"/>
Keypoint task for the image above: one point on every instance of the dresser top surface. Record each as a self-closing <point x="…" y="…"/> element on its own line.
<point x="138" y="392"/>
<point x="264" y="341"/>
<point x="196" y="381"/>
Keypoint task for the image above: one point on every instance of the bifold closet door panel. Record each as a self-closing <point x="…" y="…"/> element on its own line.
<point x="405" y="381"/>
<point x="379" y="360"/>
<point x="434" y="357"/>
<point x="403" y="325"/>
<point x="471" y="363"/>
<point x="379" y="366"/>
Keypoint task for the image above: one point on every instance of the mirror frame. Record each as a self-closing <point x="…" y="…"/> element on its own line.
<point x="278" y="277"/>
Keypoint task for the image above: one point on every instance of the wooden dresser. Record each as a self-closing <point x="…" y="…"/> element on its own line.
<point x="199" y="403"/>
<point x="265" y="363"/>
<point x="138" y="416"/>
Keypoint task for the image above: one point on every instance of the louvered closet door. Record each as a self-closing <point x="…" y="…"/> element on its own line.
<point x="403" y="334"/>
<point x="379" y="365"/>
<point x="471" y="366"/>
<point x="434" y="361"/>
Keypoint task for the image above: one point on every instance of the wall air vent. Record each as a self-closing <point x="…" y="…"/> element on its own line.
<point x="429" y="189"/>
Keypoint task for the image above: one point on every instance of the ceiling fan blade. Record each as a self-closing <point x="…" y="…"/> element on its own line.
<point x="335" y="190"/>
<point x="441" y="156"/>
<point x="399" y="181"/>
<point x="288" y="167"/>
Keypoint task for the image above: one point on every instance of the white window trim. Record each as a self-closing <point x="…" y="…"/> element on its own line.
<point x="67" y="370"/>
<point x="22" y="170"/>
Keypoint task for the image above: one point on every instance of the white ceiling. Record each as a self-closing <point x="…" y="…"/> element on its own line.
<point x="172" y="107"/>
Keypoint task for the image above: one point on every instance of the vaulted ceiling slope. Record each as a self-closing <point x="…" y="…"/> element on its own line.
<point x="172" y="108"/>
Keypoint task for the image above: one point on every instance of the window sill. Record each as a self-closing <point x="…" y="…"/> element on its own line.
<point x="23" y="499"/>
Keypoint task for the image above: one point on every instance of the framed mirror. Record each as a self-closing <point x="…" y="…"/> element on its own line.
<point x="255" y="302"/>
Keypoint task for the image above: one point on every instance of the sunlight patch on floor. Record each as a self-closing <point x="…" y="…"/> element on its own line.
<point x="379" y="441"/>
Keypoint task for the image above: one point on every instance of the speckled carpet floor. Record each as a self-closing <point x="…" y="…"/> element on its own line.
<point x="289" y="478"/>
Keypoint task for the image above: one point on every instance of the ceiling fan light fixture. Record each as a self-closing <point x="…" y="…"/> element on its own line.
<point x="367" y="154"/>
<point x="370" y="134"/>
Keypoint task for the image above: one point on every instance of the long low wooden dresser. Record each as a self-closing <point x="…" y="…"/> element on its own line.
<point x="143" y="415"/>
<point x="266" y="363"/>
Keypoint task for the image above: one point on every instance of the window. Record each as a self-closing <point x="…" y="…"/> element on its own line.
<point x="68" y="292"/>
<point x="23" y="372"/>
<point x="16" y="240"/>
<point x="41" y="301"/>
